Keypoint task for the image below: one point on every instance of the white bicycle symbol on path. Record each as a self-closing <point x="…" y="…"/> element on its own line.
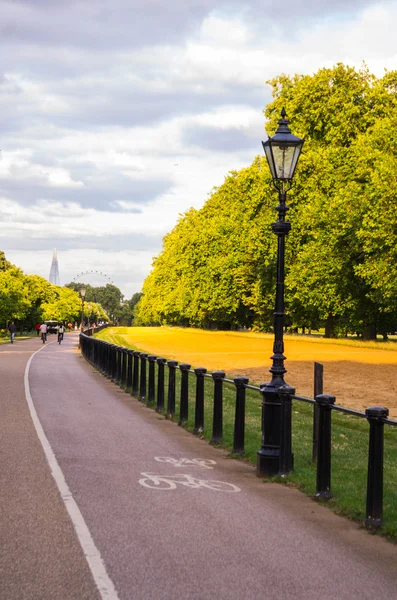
<point x="181" y="462"/>
<point x="170" y="482"/>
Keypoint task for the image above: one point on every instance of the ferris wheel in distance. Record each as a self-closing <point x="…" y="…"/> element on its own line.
<point x="93" y="277"/>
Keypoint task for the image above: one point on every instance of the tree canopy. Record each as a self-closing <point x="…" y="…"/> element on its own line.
<point x="109" y="297"/>
<point x="217" y="266"/>
<point x="29" y="299"/>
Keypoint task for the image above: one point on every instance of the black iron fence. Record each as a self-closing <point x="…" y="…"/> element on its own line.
<point x="91" y="330"/>
<point x="152" y="379"/>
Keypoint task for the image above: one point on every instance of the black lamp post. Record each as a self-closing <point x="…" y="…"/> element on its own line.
<point x="82" y="294"/>
<point x="275" y="456"/>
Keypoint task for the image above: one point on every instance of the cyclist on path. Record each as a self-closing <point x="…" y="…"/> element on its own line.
<point x="61" y="331"/>
<point x="43" y="329"/>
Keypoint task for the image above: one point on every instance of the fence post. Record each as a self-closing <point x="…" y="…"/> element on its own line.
<point x="118" y="360"/>
<point x="105" y="362"/>
<point x="94" y="354"/>
<point x="101" y="356"/>
<point x="129" y="370"/>
<point x="172" y="365"/>
<point x="135" y="374"/>
<point x="150" y="397"/>
<point x="374" y="508"/>
<point x="109" y="361"/>
<point x="90" y="347"/>
<point x="239" y="419"/>
<point x="318" y="389"/>
<point x="323" y="487"/>
<point x="142" y="382"/>
<point x="114" y="363"/>
<point x="160" y="384"/>
<point x="286" y="456"/>
<point x="217" y="421"/>
<point x="103" y="347"/>
<point x="199" y="410"/>
<point x="123" y="381"/>
<point x="184" y="406"/>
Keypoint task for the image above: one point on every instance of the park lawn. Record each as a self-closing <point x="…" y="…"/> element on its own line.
<point x="349" y="434"/>
<point x="27" y="336"/>
<point x="231" y="350"/>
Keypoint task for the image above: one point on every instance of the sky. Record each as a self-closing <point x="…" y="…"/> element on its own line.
<point x="118" y="116"/>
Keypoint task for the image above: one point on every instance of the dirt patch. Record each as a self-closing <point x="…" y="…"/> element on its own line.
<point x="355" y="385"/>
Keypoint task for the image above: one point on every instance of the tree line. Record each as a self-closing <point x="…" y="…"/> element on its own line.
<point x="217" y="268"/>
<point x="31" y="299"/>
<point x="110" y="297"/>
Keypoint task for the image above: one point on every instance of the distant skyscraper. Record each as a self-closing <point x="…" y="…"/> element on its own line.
<point x="54" y="271"/>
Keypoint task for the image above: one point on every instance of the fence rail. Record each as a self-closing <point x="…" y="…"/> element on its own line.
<point x="135" y="372"/>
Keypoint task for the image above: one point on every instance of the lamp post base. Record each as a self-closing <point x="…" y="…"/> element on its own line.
<point x="267" y="462"/>
<point x="275" y="456"/>
<point x="268" y="457"/>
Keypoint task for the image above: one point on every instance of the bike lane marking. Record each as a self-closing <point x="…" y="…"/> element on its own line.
<point x="205" y="463"/>
<point x="92" y="555"/>
<point x="170" y="482"/>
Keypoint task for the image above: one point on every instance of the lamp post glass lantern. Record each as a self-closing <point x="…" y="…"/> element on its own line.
<point x="282" y="152"/>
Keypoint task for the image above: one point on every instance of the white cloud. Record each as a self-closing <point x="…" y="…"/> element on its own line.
<point x="111" y="143"/>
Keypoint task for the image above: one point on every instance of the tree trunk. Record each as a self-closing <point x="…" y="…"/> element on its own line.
<point x="369" y="332"/>
<point x="330" y="327"/>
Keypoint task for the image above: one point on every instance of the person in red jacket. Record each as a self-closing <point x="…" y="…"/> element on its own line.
<point x="37" y="327"/>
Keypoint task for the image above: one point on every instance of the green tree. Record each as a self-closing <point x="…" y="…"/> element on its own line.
<point x="109" y="297"/>
<point x="14" y="302"/>
<point x="93" y="312"/>
<point x="217" y="266"/>
<point x="4" y="263"/>
<point x="66" y="306"/>
<point x="337" y="110"/>
<point x="39" y="291"/>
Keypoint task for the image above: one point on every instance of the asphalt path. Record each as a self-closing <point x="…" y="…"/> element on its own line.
<point x="110" y="500"/>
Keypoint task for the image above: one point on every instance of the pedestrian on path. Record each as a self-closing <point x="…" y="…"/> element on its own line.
<point x="12" y="329"/>
<point x="37" y="327"/>
<point x="61" y="331"/>
<point x="43" y="329"/>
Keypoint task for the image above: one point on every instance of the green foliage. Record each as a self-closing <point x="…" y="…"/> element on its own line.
<point x="14" y="303"/>
<point x="217" y="268"/>
<point x="66" y="306"/>
<point x="109" y="297"/>
<point x="39" y="292"/>
<point x="4" y="264"/>
<point x="127" y="316"/>
<point x="94" y="312"/>
<point x="29" y="299"/>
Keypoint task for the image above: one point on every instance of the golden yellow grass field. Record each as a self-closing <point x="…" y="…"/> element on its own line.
<point x="358" y="374"/>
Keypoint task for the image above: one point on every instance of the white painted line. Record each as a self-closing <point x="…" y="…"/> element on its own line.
<point x="93" y="556"/>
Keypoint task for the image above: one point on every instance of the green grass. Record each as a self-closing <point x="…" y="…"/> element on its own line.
<point x="352" y="342"/>
<point x="349" y="448"/>
<point x="25" y="336"/>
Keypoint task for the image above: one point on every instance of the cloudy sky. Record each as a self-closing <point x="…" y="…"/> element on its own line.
<point x="117" y="116"/>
